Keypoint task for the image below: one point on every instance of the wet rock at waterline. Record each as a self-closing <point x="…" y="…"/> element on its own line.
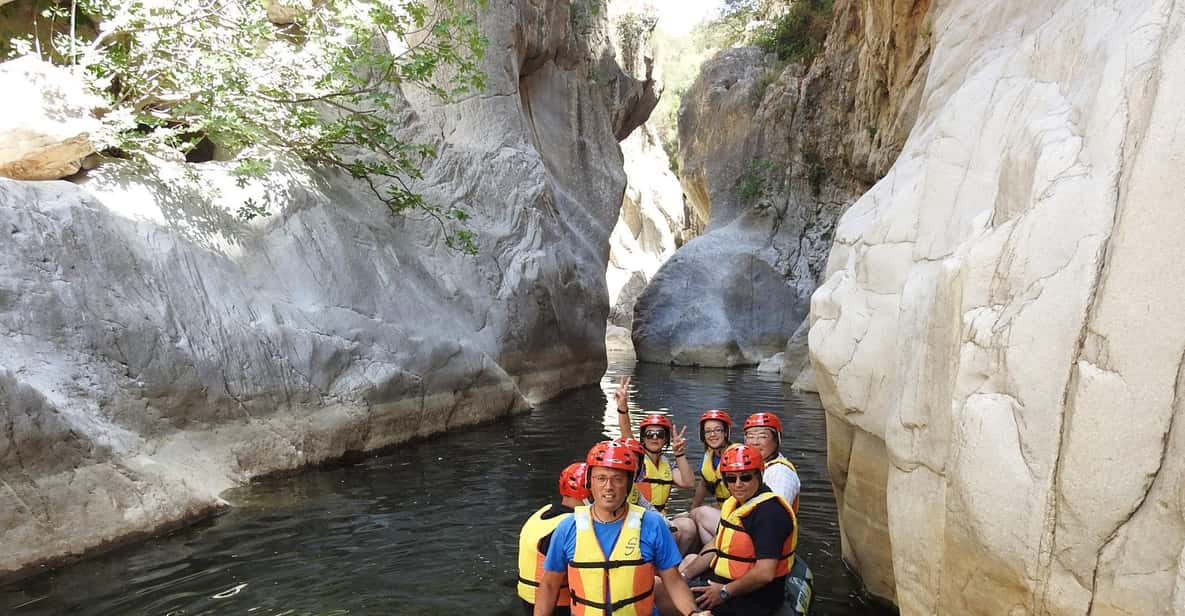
<point x="170" y="349"/>
<point x="997" y="342"/>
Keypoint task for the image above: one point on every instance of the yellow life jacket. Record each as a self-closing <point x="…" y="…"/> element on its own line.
<point x="623" y="584"/>
<point x="735" y="553"/>
<point x="530" y="561"/>
<point x="790" y="465"/>
<point x="656" y="486"/>
<point x="711" y="475"/>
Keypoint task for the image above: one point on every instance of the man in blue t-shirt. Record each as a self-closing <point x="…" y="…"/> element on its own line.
<point x="584" y="546"/>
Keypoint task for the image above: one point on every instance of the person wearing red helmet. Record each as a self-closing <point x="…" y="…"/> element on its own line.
<point x="535" y="537"/>
<point x="752" y="553"/>
<point x="656" y="432"/>
<point x="635" y="447"/>
<point x="764" y="431"/>
<point x="714" y="428"/>
<point x="698" y="530"/>
<point x="609" y="552"/>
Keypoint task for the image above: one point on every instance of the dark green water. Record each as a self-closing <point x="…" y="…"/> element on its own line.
<point x="430" y="529"/>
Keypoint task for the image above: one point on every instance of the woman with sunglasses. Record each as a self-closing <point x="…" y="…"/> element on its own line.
<point x="657" y="432"/>
<point x="753" y="551"/>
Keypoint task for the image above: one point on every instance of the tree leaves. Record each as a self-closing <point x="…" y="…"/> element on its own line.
<point x="325" y="88"/>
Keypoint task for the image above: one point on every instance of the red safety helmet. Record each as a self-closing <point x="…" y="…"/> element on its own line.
<point x="635" y="447"/>
<point x="739" y="458"/>
<point x="610" y="454"/>
<point x="765" y="420"/>
<point x="717" y="415"/>
<point x="656" y="420"/>
<point x="572" y="481"/>
<point x="632" y="444"/>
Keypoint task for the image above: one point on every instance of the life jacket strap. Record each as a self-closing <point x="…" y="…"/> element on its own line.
<point x="609" y="608"/>
<point x="731" y="526"/>
<point x="606" y="564"/>
<point x="534" y="584"/>
<point x="740" y="559"/>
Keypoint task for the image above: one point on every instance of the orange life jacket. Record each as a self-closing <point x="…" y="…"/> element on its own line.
<point x="735" y="553"/>
<point x="621" y="585"/>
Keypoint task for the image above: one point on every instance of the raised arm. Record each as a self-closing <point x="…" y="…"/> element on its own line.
<point x="622" y="396"/>
<point x="684" y="477"/>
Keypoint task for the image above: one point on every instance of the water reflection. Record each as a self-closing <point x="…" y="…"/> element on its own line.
<point x="432" y="527"/>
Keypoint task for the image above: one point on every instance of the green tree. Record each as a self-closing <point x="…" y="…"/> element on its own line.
<point x="318" y="79"/>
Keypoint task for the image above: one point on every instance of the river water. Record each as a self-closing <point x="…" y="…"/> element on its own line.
<point x="430" y="528"/>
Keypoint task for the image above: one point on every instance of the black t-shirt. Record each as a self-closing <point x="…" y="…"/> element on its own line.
<point x="556" y="509"/>
<point x="768" y="525"/>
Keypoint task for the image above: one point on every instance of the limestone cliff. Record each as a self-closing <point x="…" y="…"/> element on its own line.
<point x="651" y="224"/>
<point x="770" y="155"/>
<point x="997" y="340"/>
<point x="157" y="349"/>
<point x="650" y="227"/>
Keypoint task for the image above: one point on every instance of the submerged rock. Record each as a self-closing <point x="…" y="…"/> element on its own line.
<point x="158" y="348"/>
<point x="997" y="342"/>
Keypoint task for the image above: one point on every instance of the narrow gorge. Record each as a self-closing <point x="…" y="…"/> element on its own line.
<point x="954" y="221"/>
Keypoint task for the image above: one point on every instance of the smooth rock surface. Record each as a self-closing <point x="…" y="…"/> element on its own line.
<point x="156" y="349"/>
<point x="47" y="124"/>
<point x="770" y="156"/>
<point x="649" y="228"/>
<point x="996" y="343"/>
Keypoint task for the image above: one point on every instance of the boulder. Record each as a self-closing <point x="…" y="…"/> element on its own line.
<point x="996" y="343"/>
<point x="770" y="156"/>
<point x="716" y="303"/>
<point x="159" y="349"/>
<point x="772" y="365"/>
<point x="47" y="124"/>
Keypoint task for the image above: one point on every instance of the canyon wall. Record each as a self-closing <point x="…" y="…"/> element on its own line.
<point x="158" y="349"/>
<point x="996" y="341"/>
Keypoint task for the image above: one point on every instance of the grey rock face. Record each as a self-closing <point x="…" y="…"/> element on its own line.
<point x="650" y="227"/>
<point x="156" y="349"/>
<point x="770" y="157"/>
<point x="998" y="342"/>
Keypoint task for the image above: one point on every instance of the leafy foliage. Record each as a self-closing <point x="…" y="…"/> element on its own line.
<point x="797" y="35"/>
<point x="202" y="78"/>
<point x="752" y="184"/>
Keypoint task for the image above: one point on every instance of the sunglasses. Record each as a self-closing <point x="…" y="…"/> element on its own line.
<point x="742" y="478"/>
<point x="654" y="434"/>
